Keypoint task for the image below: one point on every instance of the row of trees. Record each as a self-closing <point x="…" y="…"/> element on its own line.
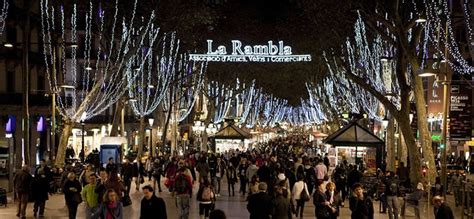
<point x="393" y="43"/>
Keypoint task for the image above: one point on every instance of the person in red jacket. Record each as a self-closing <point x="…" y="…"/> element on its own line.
<point x="183" y="189"/>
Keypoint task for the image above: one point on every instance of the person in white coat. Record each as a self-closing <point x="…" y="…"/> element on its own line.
<point x="299" y="187"/>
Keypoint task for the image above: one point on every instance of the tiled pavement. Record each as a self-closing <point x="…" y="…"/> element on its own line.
<point x="235" y="207"/>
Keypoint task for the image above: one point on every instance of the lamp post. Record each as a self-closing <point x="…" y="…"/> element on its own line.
<point x="83" y="152"/>
<point x="82" y="143"/>
<point x="152" y="148"/>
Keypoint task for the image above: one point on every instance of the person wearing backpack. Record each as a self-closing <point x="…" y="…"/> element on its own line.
<point x="183" y="189"/>
<point x="391" y="194"/>
<point x="206" y="198"/>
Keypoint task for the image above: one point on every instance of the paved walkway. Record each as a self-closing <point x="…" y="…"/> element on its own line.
<point x="235" y="207"/>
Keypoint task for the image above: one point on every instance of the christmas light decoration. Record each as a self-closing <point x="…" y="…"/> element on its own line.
<point x="148" y="84"/>
<point x="185" y="86"/>
<point x="3" y="16"/>
<point x="95" y="71"/>
<point x="443" y="36"/>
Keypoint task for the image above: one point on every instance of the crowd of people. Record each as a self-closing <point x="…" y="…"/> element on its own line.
<point x="277" y="181"/>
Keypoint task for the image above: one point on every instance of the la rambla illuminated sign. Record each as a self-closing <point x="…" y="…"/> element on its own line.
<point x="271" y="52"/>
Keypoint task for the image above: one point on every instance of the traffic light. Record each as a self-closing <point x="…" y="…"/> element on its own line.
<point x="441" y="146"/>
<point x="424" y="172"/>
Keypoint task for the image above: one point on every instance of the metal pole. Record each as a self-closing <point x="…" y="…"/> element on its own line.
<point x="152" y="148"/>
<point x="446" y="87"/>
<point x="83" y="153"/>
<point x="53" y="126"/>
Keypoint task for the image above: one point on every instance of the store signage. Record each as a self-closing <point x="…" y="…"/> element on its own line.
<point x="270" y="52"/>
<point x="460" y="117"/>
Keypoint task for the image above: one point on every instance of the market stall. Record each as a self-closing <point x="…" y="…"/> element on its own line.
<point x="231" y="137"/>
<point x="354" y="143"/>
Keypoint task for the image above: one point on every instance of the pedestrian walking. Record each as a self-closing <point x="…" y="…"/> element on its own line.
<point x="231" y="178"/>
<point x="321" y="172"/>
<point x="322" y="206"/>
<point x="413" y="200"/>
<point x="40" y="189"/>
<point x="113" y="182"/>
<point x="84" y="176"/>
<point x="22" y="182"/>
<point x="441" y="209"/>
<point x="111" y="166"/>
<point x="334" y="199"/>
<point x="260" y="204"/>
<point x="391" y="194"/>
<point x="206" y="197"/>
<point x="300" y="195"/>
<point x="90" y="197"/>
<point x="126" y="172"/>
<point x="100" y="187"/>
<point x="219" y="173"/>
<point x="281" y="204"/>
<point x="111" y="208"/>
<point x="156" y="172"/>
<point x="361" y="206"/>
<point x="183" y="189"/>
<point x="72" y="194"/>
<point x="151" y="206"/>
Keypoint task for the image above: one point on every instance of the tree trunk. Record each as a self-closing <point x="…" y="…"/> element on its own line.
<point x="165" y="127"/>
<point x="63" y="141"/>
<point x="402" y="149"/>
<point x="414" y="155"/>
<point x="425" y="135"/>
<point x="142" y="136"/>
<point x="390" y="145"/>
<point x="26" y="84"/>
<point x="117" y="118"/>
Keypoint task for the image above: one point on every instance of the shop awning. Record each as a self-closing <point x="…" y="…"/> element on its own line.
<point x="354" y="134"/>
<point x="232" y="132"/>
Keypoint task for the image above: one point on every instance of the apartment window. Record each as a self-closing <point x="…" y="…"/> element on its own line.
<point x="10" y="81"/>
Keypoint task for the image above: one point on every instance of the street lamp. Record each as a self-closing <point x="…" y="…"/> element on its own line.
<point x="83" y="152"/>
<point x="152" y="148"/>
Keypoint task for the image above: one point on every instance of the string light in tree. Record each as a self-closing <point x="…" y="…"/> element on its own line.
<point x="149" y="83"/>
<point x="89" y="83"/>
<point x="444" y="38"/>
<point x="3" y="16"/>
<point x="186" y="83"/>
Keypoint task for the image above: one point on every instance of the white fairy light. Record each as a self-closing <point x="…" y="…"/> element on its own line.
<point x="154" y="78"/>
<point x="99" y="78"/>
<point x="3" y="16"/>
<point x="186" y="84"/>
<point x="439" y="17"/>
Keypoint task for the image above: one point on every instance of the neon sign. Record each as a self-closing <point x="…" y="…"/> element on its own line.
<point x="271" y="52"/>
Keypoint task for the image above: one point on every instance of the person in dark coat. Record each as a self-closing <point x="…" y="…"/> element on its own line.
<point x="127" y="175"/>
<point x="360" y="205"/>
<point x="152" y="206"/>
<point x="260" y="204"/>
<point x="321" y="204"/>
<point x="441" y="209"/>
<point x="281" y="204"/>
<point x="100" y="188"/>
<point x="22" y="182"/>
<point x="111" y="166"/>
<point x="40" y="188"/>
<point x="72" y="194"/>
